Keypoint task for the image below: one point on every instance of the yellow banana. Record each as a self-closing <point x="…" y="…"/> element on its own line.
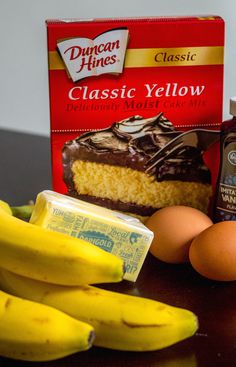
<point x="54" y="257"/>
<point x="4" y="206"/>
<point x="35" y="332"/>
<point x="120" y="321"/>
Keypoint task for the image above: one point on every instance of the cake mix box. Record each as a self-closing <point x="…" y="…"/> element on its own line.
<point x="120" y="90"/>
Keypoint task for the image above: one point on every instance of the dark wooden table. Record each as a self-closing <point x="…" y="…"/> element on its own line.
<point x="25" y="171"/>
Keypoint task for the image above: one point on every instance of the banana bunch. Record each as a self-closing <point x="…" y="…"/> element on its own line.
<point x="120" y="321"/>
<point x="33" y="268"/>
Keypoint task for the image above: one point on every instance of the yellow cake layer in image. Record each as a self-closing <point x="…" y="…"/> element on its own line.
<point x="121" y="184"/>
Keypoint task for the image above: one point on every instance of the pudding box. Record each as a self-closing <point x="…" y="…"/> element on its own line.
<point x="120" y="90"/>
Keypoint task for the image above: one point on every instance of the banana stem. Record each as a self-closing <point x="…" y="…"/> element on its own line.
<point x="23" y="211"/>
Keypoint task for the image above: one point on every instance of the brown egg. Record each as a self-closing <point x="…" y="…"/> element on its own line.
<point x="213" y="252"/>
<point x="174" y="229"/>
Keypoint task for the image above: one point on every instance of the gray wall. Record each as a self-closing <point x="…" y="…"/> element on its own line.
<point x="23" y="60"/>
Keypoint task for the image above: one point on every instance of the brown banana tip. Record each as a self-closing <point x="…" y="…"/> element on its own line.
<point x="91" y="338"/>
<point x="124" y="268"/>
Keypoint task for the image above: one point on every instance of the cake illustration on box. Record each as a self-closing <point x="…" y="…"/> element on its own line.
<point x="111" y="168"/>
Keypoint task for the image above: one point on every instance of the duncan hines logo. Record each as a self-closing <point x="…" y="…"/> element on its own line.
<point x="86" y="57"/>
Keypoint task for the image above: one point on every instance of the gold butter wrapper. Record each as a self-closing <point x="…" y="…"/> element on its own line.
<point x="114" y="232"/>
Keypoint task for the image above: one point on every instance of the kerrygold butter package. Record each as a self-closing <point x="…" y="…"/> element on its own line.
<point x="119" y="234"/>
<point x="120" y="90"/>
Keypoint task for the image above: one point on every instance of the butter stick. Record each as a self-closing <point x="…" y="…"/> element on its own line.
<point x="114" y="232"/>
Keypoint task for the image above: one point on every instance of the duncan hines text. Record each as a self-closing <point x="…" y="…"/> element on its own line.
<point x="85" y="57"/>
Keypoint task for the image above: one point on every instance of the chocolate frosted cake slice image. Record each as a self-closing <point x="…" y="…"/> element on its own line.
<point x="111" y="168"/>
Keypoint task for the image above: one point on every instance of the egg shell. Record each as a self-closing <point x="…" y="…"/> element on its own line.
<point x="213" y="252"/>
<point x="174" y="229"/>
